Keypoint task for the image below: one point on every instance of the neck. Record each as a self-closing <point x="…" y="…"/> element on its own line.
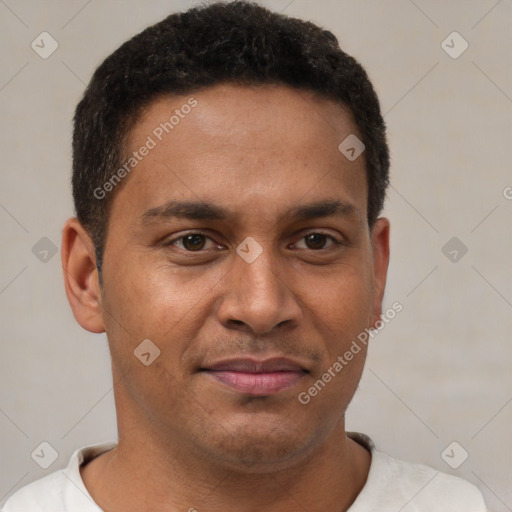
<point x="146" y="475"/>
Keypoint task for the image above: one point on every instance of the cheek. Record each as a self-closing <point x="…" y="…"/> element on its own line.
<point x="341" y="303"/>
<point x="147" y="295"/>
<point x="156" y="302"/>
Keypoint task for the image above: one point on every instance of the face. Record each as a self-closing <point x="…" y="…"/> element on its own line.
<point x="239" y="245"/>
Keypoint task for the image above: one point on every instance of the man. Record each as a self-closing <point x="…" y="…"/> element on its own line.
<point x="229" y="168"/>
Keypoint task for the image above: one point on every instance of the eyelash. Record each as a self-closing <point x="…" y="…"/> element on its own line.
<point x="181" y="237"/>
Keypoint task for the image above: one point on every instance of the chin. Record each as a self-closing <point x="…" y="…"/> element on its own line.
<point x="260" y="447"/>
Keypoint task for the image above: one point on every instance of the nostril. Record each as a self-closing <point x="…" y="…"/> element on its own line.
<point x="238" y="322"/>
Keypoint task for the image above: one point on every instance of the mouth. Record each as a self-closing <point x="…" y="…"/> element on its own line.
<point x="256" y="378"/>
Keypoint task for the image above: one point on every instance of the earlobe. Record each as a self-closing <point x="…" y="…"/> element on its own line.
<point x="81" y="276"/>
<point x="380" y="244"/>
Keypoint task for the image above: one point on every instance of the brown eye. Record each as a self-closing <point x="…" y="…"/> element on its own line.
<point x="194" y="242"/>
<point x="315" y="240"/>
<point x="318" y="241"/>
<point x="318" y="247"/>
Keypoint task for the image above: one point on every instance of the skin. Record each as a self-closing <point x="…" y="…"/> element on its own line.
<point x="185" y="440"/>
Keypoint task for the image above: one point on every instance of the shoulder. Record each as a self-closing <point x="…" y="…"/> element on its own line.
<point x="423" y="488"/>
<point x="61" y="491"/>
<point x="394" y="484"/>
<point x="39" y="496"/>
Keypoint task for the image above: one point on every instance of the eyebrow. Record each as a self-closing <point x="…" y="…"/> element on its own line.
<point x="195" y="210"/>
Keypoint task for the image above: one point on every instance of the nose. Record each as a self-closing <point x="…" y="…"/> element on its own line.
<point x="257" y="297"/>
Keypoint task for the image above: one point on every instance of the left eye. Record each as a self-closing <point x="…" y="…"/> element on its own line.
<point x="317" y="241"/>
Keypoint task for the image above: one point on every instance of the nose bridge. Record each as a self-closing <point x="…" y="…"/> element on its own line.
<point x="261" y="278"/>
<point x="255" y="294"/>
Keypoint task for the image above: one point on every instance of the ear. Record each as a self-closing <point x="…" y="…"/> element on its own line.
<point x="81" y="276"/>
<point x="380" y="246"/>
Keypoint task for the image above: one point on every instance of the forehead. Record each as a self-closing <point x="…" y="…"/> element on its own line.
<point x="233" y="144"/>
<point x="234" y="112"/>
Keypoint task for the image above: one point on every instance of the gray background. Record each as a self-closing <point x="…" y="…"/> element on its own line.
<point x="438" y="373"/>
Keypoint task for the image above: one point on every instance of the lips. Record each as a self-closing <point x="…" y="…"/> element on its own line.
<point x="255" y="377"/>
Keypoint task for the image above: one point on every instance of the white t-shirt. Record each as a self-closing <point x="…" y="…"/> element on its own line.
<point x="392" y="485"/>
